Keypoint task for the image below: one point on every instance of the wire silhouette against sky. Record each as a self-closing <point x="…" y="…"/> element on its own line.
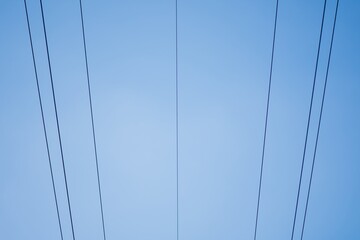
<point x="320" y="118"/>
<point x="43" y="120"/>
<point x="177" y="118"/>
<point x="221" y="202"/>
<point x="266" y="120"/>
<point x="92" y="120"/>
<point x="57" y="118"/>
<point x="308" y="120"/>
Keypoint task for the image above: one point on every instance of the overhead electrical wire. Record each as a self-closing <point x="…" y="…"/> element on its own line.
<point x="177" y="118"/>
<point x="92" y="120"/>
<point x="320" y="117"/>
<point x="43" y="120"/>
<point x="57" y="119"/>
<point x="308" y="120"/>
<point x="266" y="119"/>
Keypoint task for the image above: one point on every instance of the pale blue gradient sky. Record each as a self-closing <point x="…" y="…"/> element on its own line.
<point x="224" y="60"/>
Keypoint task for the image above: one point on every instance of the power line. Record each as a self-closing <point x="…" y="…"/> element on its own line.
<point x="43" y="119"/>
<point x="57" y="119"/>
<point x="320" y="117"/>
<point x="308" y="121"/>
<point x="177" y="119"/>
<point x="266" y="120"/>
<point x="92" y="119"/>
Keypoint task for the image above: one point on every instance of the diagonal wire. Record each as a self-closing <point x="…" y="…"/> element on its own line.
<point x="57" y="119"/>
<point x="320" y="117"/>
<point x="266" y="120"/>
<point x="308" y="121"/>
<point x="43" y="119"/>
<point x="177" y="118"/>
<point x="92" y="119"/>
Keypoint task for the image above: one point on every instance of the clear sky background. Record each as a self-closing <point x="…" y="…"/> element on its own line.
<point x="224" y="61"/>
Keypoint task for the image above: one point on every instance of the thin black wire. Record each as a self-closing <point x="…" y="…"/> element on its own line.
<point x="92" y="119"/>
<point x="320" y="117"/>
<point x="57" y="119"/>
<point x="177" y="119"/>
<point x="266" y="120"/>
<point x="308" y="121"/>
<point x="43" y="119"/>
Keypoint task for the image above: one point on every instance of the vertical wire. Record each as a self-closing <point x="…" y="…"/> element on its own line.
<point x="57" y="119"/>
<point x="308" y="122"/>
<point x="266" y="120"/>
<point x="319" y="123"/>
<point x="177" y="119"/>
<point x="92" y="120"/>
<point x="43" y="120"/>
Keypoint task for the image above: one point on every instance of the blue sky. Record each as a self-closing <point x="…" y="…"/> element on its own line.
<point x="224" y="61"/>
